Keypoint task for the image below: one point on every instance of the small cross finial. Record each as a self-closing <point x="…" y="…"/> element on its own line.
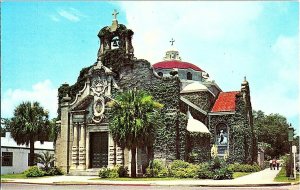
<point x="115" y="13"/>
<point x="172" y="41"/>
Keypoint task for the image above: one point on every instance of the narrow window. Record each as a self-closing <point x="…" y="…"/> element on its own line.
<point x="189" y="76"/>
<point x="7" y="158"/>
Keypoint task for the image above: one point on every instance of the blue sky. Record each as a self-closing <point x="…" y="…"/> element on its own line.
<point x="44" y="44"/>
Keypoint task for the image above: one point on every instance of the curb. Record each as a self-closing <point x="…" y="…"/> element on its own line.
<point x="153" y="184"/>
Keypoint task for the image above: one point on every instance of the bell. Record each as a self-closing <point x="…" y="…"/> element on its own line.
<point x="115" y="43"/>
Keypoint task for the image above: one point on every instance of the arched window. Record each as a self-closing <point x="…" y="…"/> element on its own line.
<point x="160" y="74"/>
<point x="189" y="76"/>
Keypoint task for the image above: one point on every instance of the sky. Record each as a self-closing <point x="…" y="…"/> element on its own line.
<point x="46" y="44"/>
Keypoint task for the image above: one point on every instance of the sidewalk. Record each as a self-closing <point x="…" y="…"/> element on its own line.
<point x="262" y="178"/>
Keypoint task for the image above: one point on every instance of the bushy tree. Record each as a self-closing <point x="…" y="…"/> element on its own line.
<point x="134" y="117"/>
<point x="272" y="133"/>
<point x="4" y="126"/>
<point x="29" y="124"/>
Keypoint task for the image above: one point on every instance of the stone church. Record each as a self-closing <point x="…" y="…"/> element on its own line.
<point x="197" y="113"/>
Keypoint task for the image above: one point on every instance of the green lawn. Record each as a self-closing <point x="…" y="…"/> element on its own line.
<point x="239" y="174"/>
<point x="282" y="178"/>
<point x="139" y="179"/>
<point x="13" y="176"/>
<point x="17" y="176"/>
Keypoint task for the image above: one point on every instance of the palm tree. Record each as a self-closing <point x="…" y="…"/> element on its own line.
<point x="133" y="118"/>
<point x="29" y="124"/>
<point x="46" y="159"/>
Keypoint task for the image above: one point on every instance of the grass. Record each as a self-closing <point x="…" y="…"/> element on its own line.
<point x="141" y="179"/>
<point x="13" y="176"/>
<point x="18" y="176"/>
<point x="282" y="178"/>
<point x="239" y="174"/>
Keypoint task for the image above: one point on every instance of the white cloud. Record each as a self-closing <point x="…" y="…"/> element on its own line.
<point x="54" y="18"/>
<point x="70" y="14"/>
<point x="42" y="92"/>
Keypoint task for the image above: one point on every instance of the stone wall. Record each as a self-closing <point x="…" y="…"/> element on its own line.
<point x="198" y="147"/>
<point x="203" y="99"/>
<point x="240" y="136"/>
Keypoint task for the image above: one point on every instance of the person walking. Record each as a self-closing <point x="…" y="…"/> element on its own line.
<point x="270" y="164"/>
<point x="277" y="164"/>
<point x="274" y="163"/>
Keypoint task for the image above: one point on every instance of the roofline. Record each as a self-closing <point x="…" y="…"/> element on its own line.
<point x="197" y="90"/>
<point x="14" y="147"/>
<point x="222" y="113"/>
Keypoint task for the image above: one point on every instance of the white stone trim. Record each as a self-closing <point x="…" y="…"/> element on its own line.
<point x="85" y="91"/>
<point x="221" y="113"/>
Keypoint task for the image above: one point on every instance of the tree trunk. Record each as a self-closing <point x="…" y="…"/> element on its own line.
<point x="150" y="157"/>
<point x="133" y="162"/>
<point x="31" y="154"/>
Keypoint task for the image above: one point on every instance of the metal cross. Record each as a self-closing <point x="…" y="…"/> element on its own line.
<point x="172" y="41"/>
<point x="115" y="14"/>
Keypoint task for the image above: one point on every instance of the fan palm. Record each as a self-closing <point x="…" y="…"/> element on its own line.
<point x="46" y="159"/>
<point x="134" y="116"/>
<point x="29" y="124"/>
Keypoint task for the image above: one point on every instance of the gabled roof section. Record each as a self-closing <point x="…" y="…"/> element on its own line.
<point x="225" y="102"/>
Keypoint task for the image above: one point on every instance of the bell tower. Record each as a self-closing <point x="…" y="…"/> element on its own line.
<point x="116" y="36"/>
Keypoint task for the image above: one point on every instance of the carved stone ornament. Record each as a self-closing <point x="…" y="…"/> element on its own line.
<point x="99" y="86"/>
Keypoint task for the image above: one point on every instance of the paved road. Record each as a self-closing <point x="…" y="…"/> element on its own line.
<point x="12" y="186"/>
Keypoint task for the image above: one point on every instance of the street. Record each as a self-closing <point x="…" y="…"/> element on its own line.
<point x="14" y="186"/>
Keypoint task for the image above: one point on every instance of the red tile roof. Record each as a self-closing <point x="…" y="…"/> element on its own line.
<point x="175" y="64"/>
<point x="225" y="102"/>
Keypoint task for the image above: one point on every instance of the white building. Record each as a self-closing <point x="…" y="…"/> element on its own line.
<point x="15" y="158"/>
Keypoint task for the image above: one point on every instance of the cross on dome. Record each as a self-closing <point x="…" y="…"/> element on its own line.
<point x="172" y="41"/>
<point x="115" y="13"/>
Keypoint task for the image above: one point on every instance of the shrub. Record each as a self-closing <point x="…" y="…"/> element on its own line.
<point x="157" y="169"/>
<point x="122" y="171"/>
<point x="34" y="171"/>
<point x="216" y="169"/>
<point x="108" y="173"/>
<point x="216" y="163"/>
<point x="222" y="173"/>
<point x="54" y="171"/>
<point x="163" y="172"/>
<point x="183" y="169"/>
<point x="236" y="167"/>
<point x="204" y="171"/>
<point x="287" y="166"/>
<point x="178" y="164"/>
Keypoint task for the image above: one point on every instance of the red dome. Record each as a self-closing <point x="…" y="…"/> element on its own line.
<point x="175" y="64"/>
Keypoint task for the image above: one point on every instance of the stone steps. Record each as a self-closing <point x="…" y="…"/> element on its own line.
<point x="88" y="172"/>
